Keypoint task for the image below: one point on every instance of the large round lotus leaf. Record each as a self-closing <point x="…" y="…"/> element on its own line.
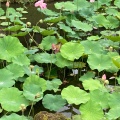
<point x="69" y="6"/>
<point x="82" y="26"/>
<point x="101" y="97"/>
<point x="54" y="84"/>
<point x="10" y="47"/>
<point x="13" y="116"/>
<point x="74" y="95"/>
<point x="101" y="20"/>
<point x="53" y="102"/>
<point x="6" y="78"/>
<point x="72" y="51"/>
<point x="113" y="113"/>
<point x="11" y="99"/>
<point x="21" y="60"/>
<point x="117" y="3"/>
<point x="64" y="62"/>
<point x="33" y="88"/>
<point x="92" y="84"/>
<point x="91" y="111"/>
<point x="99" y="62"/>
<point x="114" y="22"/>
<point x="47" y="42"/>
<point x="91" y="47"/>
<point x="17" y="70"/>
<point x="45" y="58"/>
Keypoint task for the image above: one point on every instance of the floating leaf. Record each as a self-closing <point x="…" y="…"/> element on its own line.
<point x="74" y="95"/>
<point x="53" y="102"/>
<point x="34" y="87"/>
<point x="92" y="47"/>
<point x="68" y="6"/>
<point x="45" y="58"/>
<point x="99" y="62"/>
<point x="14" y="28"/>
<point x="65" y="28"/>
<point x="87" y="76"/>
<point x="54" y="84"/>
<point x="64" y="62"/>
<point x="100" y="97"/>
<point x="113" y="113"/>
<point x="47" y="32"/>
<point x="72" y="51"/>
<point x="13" y="116"/>
<point x="54" y="19"/>
<point x="10" y="47"/>
<point x="83" y="26"/>
<point x="21" y="60"/>
<point x="47" y="42"/>
<point x="11" y="99"/>
<point x="6" y="78"/>
<point x="92" y="84"/>
<point x="91" y="111"/>
<point x="117" y="3"/>
<point x="1" y="12"/>
<point x="101" y="21"/>
<point x="17" y="70"/>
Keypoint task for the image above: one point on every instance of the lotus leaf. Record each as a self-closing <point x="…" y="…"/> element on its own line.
<point x="117" y="3"/>
<point x="83" y="26"/>
<point x="91" y="111"/>
<point x="6" y="78"/>
<point x="74" y="95"/>
<point x="54" y="19"/>
<point x="11" y="99"/>
<point x="100" y="97"/>
<point x="113" y="113"/>
<point x="34" y="87"/>
<point x="101" y="21"/>
<point x="92" y="84"/>
<point x="64" y="62"/>
<point x="47" y="42"/>
<point x="13" y="116"/>
<point x="87" y="76"/>
<point x="72" y="51"/>
<point x="92" y="47"/>
<point x="17" y="70"/>
<point x="10" y="47"/>
<point x="21" y="60"/>
<point x="45" y="58"/>
<point x="99" y="61"/>
<point x="67" y="6"/>
<point x="65" y="28"/>
<point x="54" y="84"/>
<point x="1" y="12"/>
<point x="81" y="4"/>
<point x="53" y="102"/>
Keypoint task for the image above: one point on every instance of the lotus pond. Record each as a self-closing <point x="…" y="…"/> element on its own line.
<point x="67" y="60"/>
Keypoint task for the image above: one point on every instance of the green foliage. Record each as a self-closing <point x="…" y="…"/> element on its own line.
<point x="75" y="60"/>
<point x="53" y="102"/>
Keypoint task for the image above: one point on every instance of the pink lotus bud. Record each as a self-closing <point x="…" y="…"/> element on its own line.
<point x="104" y="77"/>
<point x="92" y="1"/>
<point x="7" y="4"/>
<point x="53" y="47"/>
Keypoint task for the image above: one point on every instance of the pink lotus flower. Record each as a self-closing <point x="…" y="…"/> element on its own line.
<point x="92" y="0"/>
<point x="104" y="77"/>
<point x="7" y="4"/>
<point x="41" y="4"/>
<point x="56" y="47"/>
